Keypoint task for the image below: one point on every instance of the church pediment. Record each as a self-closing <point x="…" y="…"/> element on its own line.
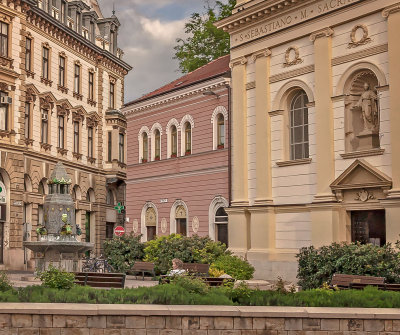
<point x="359" y="175"/>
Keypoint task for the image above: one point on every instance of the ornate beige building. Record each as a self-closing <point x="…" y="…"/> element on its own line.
<point x="315" y="127"/>
<point x="61" y="87"/>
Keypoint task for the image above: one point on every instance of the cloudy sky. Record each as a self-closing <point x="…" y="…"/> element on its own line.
<point x="147" y="36"/>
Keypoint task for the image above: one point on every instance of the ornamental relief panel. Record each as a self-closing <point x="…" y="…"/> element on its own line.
<point x="359" y="36"/>
<point x="292" y="57"/>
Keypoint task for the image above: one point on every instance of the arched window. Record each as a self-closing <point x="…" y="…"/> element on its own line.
<point x="220" y="131"/>
<point x="221" y="226"/>
<point x="174" y="141"/>
<point x="181" y="220"/>
<point x="188" y="138"/>
<point x="157" y="144"/>
<point x="299" y="144"/>
<point x="145" y="143"/>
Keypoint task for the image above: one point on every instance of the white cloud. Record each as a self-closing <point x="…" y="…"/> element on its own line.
<point x="164" y="32"/>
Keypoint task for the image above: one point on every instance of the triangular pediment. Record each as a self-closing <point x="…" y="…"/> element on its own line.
<point x="361" y="174"/>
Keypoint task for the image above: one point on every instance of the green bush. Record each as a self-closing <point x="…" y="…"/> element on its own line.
<point x="316" y="266"/>
<point x="5" y="283"/>
<point x="191" y="284"/>
<point x="234" y="266"/>
<point x="122" y="252"/>
<point x="195" y="249"/>
<point x="56" y="278"/>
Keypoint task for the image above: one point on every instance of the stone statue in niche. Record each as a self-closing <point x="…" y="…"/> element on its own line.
<point x="362" y="112"/>
<point x="369" y="107"/>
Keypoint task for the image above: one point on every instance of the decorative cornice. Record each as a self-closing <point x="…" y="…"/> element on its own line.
<point x="276" y="113"/>
<point x="238" y="61"/>
<point x="260" y="54"/>
<point x="294" y="162"/>
<point x="326" y="32"/>
<point x="363" y="153"/>
<point x="391" y="9"/>
<point x="291" y="74"/>
<point x="360" y="54"/>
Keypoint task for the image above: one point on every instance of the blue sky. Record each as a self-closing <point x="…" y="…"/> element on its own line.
<point x="147" y="36"/>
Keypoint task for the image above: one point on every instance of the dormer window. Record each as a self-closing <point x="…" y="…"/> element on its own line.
<point x="78" y="22"/>
<point x="63" y="10"/>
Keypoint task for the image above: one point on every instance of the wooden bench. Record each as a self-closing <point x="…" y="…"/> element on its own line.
<point x="344" y="281"/>
<point x="95" y="279"/>
<point x="196" y="269"/>
<point x="142" y="267"/>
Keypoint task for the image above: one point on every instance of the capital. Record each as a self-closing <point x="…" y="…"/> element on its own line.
<point x="326" y="32"/>
<point x="391" y="9"/>
<point x="261" y="53"/>
<point x="237" y="61"/>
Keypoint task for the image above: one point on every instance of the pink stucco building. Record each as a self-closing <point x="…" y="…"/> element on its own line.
<point x="178" y="156"/>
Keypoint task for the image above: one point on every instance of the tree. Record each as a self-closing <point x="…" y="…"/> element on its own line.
<point x="204" y="42"/>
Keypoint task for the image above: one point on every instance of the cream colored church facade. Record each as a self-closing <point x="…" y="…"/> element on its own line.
<point x="315" y="127"/>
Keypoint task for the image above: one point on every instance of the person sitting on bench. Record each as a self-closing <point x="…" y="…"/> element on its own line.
<point x="177" y="268"/>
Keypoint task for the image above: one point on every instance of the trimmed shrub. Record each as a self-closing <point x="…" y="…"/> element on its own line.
<point x="316" y="266"/>
<point x="234" y="266"/>
<point x="122" y="252"/>
<point x="56" y="278"/>
<point x="195" y="249"/>
<point x="191" y="284"/>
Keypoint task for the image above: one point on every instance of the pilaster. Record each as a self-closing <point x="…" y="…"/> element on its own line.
<point x="263" y="128"/>
<point x="324" y="114"/>
<point x="239" y="133"/>
<point x="238" y="230"/>
<point x="392" y="14"/>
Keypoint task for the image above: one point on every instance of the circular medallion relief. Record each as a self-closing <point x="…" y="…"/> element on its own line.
<point x="292" y="57"/>
<point x="359" y="36"/>
<point x="135" y="224"/>
<point x="195" y="224"/>
<point x="164" y="225"/>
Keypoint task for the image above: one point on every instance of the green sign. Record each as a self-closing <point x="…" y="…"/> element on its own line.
<point x="119" y="207"/>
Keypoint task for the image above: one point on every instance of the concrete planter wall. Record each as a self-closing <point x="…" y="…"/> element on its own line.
<point x="73" y="319"/>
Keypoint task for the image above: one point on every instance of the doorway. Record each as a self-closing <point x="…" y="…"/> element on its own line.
<point x="368" y="227"/>
<point x="181" y="227"/>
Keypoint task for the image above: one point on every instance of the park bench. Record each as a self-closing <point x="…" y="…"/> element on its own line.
<point x="344" y="281"/>
<point x="95" y="279"/>
<point x="142" y="267"/>
<point x="196" y="269"/>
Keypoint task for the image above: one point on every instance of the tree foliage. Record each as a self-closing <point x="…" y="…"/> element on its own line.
<point x="204" y="42"/>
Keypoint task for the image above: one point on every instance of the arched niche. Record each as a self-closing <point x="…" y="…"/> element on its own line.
<point x="362" y="111"/>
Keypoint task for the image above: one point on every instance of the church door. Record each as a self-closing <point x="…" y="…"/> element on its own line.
<point x="368" y="227"/>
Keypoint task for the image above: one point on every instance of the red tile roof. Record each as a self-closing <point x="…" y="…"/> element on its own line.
<point x="213" y="69"/>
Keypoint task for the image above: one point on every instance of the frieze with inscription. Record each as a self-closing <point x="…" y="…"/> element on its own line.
<point x="287" y="20"/>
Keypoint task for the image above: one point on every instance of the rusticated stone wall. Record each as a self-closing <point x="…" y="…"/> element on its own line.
<point x="73" y="319"/>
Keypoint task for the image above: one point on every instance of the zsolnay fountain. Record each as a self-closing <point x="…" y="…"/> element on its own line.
<point x="57" y="244"/>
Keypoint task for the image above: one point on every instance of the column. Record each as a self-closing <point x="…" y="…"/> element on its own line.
<point x="325" y="158"/>
<point x="323" y="214"/>
<point x="238" y="226"/>
<point x="392" y="205"/>
<point x="392" y="14"/>
<point x="263" y="129"/>
<point x="239" y="134"/>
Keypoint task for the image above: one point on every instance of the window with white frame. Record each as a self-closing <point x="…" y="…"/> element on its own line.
<point x="174" y="141"/>
<point x="298" y="118"/>
<point x="157" y="145"/>
<point x="188" y="138"/>
<point x="145" y="148"/>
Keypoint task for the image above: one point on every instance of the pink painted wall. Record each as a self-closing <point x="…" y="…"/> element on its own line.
<point x="195" y="179"/>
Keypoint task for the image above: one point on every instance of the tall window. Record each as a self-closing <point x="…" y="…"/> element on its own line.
<point x="62" y="11"/>
<point x="109" y="146"/>
<point x="145" y="148"/>
<point x="221" y="223"/>
<point x="78" y="22"/>
<point x="121" y="148"/>
<point x="28" y="54"/>
<point x="45" y="63"/>
<point x="27" y="120"/>
<point x="45" y="126"/>
<point x="112" y="95"/>
<point x="157" y="140"/>
<point x="90" y="142"/>
<point x="299" y="127"/>
<point x="91" y="85"/>
<point x="3" y="39"/>
<point x="174" y="141"/>
<point x="188" y="139"/>
<point x="76" y="136"/>
<point x="61" y="71"/>
<point x="221" y="131"/>
<point x="77" y="79"/>
<point x="3" y="113"/>
<point x="61" y="132"/>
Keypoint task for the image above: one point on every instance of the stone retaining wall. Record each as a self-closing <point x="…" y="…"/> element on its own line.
<point x="73" y="319"/>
